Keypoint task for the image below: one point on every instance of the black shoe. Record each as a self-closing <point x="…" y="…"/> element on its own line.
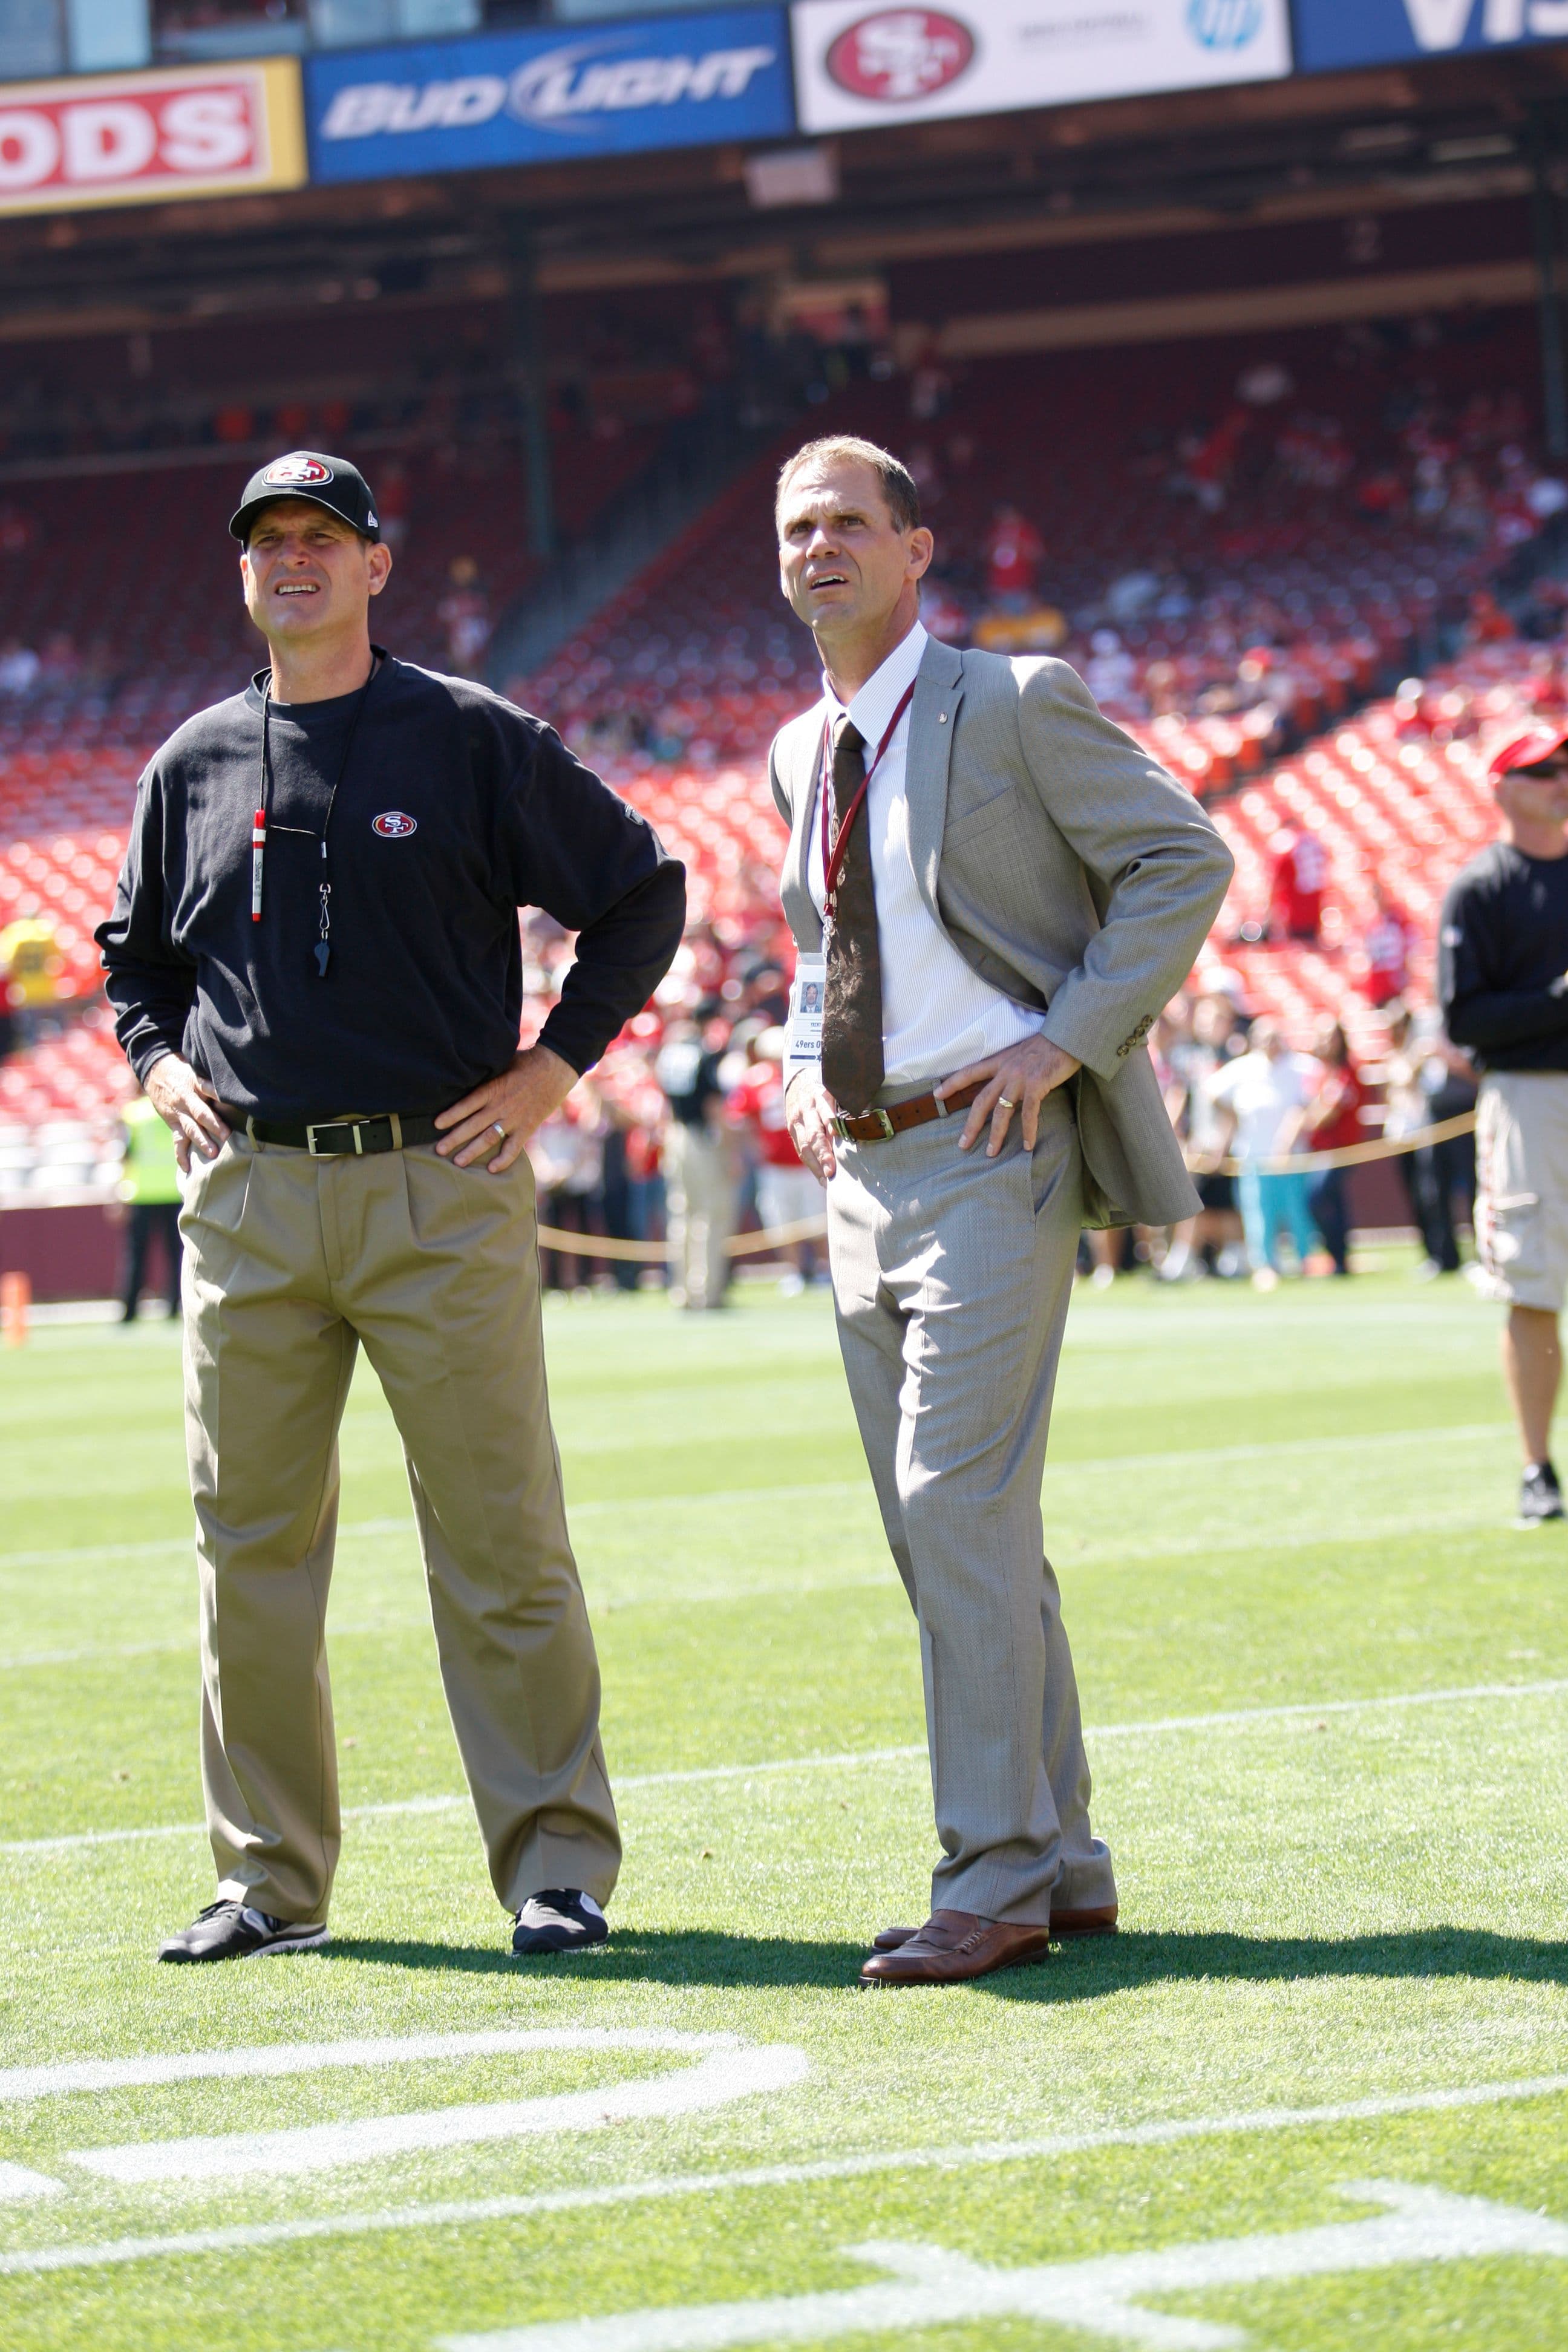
<point x="560" y="1919"/>
<point x="232" y="1931"/>
<point x="1539" y="1497"/>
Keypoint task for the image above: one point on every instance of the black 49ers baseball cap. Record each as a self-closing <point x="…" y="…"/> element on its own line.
<point x="329" y="482"/>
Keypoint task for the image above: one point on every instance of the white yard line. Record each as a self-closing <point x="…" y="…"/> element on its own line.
<point x="1106" y="2295"/>
<point x="720" y="2077"/>
<point x="1231" y="1718"/>
<point x="467" y="2213"/>
<point x="71" y="2076"/>
<point x="727" y="1498"/>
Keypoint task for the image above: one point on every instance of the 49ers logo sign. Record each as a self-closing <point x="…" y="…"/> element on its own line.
<point x="394" y="825"/>
<point x="145" y="137"/>
<point x="900" y="54"/>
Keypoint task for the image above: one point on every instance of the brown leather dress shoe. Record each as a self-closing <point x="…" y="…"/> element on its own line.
<point x="954" y="1946"/>
<point x="1101" y="1920"/>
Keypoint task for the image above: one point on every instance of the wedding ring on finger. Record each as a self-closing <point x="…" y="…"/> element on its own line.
<point x="499" y="1129"/>
<point x="1005" y="1102"/>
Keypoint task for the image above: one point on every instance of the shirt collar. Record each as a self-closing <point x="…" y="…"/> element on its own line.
<point x="874" y="705"/>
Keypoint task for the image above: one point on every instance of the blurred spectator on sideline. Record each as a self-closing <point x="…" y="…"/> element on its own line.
<point x="1299" y="879"/>
<point x="150" y="1187"/>
<point x="1110" y="673"/>
<point x="567" y="1153"/>
<point x="699" y="1190"/>
<point x="1390" y="936"/>
<point x="1332" y="1122"/>
<point x="1429" y="1081"/>
<point x="1014" y="549"/>
<point x="392" y="491"/>
<point x="464" y="612"/>
<point x="19" y="667"/>
<point x="1215" y="1040"/>
<point x="30" y="968"/>
<point x="1260" y="1099"/>
<point x="615" y="1185"/>
<point x="787" y="1192"/>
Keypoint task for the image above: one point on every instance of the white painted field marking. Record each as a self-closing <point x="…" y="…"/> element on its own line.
<point x="1225" y="1718"/>
<point x="729" y="2070"/>
<point x="271" y="2059"/>
<point x="19" y="2182"/>
<point x="464" y="2212"/>
<point x="1105" y="2296"/>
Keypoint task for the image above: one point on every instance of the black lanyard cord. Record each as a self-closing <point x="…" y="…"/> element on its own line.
<point x="263" y="818"/>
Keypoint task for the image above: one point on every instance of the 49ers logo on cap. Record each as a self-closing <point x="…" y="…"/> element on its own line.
<point x="294" y="472"/>
<point x="900" y="54"/>
<point x="393" y="825"/>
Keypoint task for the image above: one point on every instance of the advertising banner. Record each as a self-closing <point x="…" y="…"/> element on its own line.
<point x="144" y="138"/>
<point x="857" y="64"/>
<point x="1381" y="32"/>
<point x="534" y="98"/>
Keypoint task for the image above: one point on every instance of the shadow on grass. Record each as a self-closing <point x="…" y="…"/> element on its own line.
<point x="1086" y="1970"/>
<point x="699" y="1957"/>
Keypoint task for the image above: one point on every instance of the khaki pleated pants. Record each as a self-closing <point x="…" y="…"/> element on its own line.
<point x="951" y="1275"/>
<point x="699" y="1205"/>
<point x="290" y="1264"/>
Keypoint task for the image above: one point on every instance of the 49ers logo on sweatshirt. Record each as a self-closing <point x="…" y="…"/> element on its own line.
<point x="393" y="825"/>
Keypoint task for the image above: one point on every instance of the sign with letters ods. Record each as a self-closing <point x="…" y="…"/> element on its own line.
<point x="858" y="63"/>
<point x="535" y="98"/>
<point x="1330" y="33"/>
<point x="144" y="138"/>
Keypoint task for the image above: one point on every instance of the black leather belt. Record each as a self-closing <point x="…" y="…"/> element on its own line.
<point x="326" y="1138"/>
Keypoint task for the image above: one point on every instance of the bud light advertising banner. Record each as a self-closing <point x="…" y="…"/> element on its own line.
<point x="545" y="97"/>
<point x="1332" y="33"/>
<point x="857" y="63"/>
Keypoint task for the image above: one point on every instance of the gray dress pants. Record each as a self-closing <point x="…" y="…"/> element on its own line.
<point x="951" y="1275"/>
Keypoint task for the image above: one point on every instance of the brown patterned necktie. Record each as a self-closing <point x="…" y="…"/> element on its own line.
<point x="852" y="1007"/>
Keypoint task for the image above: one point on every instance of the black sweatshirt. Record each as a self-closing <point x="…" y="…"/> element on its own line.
<point x="454" y="810"/>
<point x="1502" y="953"/>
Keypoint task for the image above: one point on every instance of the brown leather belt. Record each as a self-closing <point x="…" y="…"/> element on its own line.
<point x="876" y="1126"/>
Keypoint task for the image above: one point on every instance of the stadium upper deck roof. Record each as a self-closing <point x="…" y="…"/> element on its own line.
<point x="1211" y="165"/>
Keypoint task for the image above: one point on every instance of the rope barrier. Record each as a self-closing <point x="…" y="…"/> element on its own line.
<point x="804" y="1229"/>
<point x="1349" y="1155"/>
<point x="812" y="1229"/>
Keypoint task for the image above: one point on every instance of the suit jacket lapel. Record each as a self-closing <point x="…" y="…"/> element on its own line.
<point x="799" y="907"/>
<point x="938" y="688"/>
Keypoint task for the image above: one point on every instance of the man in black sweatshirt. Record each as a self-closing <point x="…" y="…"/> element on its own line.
<point x="1503" y="983"/>
<point x="315" y="964"/>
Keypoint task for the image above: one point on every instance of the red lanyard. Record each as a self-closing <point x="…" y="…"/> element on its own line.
<point x="832" y="867"/>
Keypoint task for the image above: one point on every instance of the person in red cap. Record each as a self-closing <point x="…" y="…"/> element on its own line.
<point x="1503" y="986"/>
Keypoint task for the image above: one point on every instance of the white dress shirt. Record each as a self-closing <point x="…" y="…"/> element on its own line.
<point x="937" y="1011"/>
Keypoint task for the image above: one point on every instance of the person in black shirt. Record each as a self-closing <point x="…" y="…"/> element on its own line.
<point x="1503" y="985"/>
<point x="314" y="963"/>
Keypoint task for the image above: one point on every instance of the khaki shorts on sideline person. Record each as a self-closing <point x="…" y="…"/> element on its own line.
<point x="1521" y="1188"/>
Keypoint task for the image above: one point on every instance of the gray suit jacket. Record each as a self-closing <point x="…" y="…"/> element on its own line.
<point x="1066" y="868"/>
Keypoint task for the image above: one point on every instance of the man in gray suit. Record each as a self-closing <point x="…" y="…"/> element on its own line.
<point x="1013" y="890"/>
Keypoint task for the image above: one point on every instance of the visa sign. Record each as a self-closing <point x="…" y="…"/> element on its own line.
<point x="1381" y="32"/>
<point x="530" y="98"/>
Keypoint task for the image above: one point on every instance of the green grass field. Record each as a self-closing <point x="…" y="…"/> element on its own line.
<point x="1327" y="1692"/>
